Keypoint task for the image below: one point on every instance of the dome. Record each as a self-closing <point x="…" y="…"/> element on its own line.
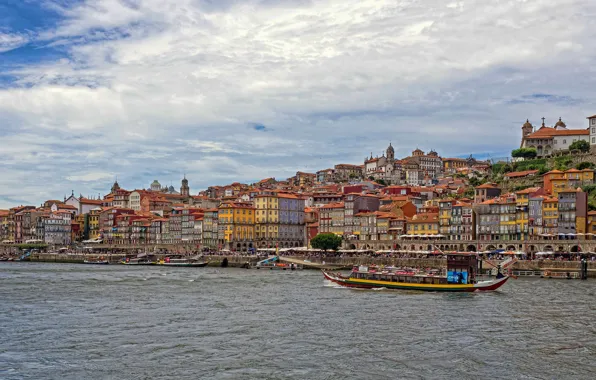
<point x="155" y="182"/>
<point x="171" y="189"/>
<point x="390" y="149"/>
<point x="560" y="124"/>
<point x="527" y="124"/>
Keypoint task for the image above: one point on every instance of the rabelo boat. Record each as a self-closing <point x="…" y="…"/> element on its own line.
<point x="461" y="276"/>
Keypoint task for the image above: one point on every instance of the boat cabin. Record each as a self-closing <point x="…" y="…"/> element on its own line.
<point x="461" y="269"/>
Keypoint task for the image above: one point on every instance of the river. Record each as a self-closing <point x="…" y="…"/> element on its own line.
<point x="74" y="321"/>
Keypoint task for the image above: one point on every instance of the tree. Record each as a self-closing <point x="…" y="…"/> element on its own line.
<point x="524" y="153"/>
<point x="381" y="182"/>
<point x="326" y="241"/>
<point x="581" y="145"/>
<point x="585" y="165"/>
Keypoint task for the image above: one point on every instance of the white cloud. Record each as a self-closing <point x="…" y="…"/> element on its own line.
<point x="11" y="41"/>
<point x="150" y="86"/>
<point x="90" y="176"/>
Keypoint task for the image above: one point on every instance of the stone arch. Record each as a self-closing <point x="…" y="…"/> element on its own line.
<point x="511" y="248"/>
<point x="547" y="150"/>
<point x="560" y="248"/>
<point x="429" y="247"/>
<point x="397" y="246"/>
<point x="352" y="246"/>
<point x="532" y="248"/>
<point x="238" y="245"/>
<point x="490" y="247"/>
<point x="574" y="249"/>
<point x="548" y="248"/>
<point x="500" y="246"/>
<point x="461" y="247"/>
<point x="413" y="247"/>
<point x="471" y="248"/>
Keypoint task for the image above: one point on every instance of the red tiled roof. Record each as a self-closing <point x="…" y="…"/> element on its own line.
<point x="488" y="186"/>
<point x="521" y="174"/>
<point x="547" y="132"/>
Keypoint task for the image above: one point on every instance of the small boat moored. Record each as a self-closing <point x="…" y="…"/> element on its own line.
<point x="273" y="263"/>
<point x="141" y="259"/>
<point x="96" y="260"/>
<point x="462" y="269"/>
<point x="180" y="261"/>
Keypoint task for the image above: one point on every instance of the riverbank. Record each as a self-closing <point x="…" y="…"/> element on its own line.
<point x="338" y="262"/>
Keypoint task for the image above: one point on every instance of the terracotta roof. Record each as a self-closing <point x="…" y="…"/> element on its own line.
<point x="529" y="190"/>
<point x="591" y="117"/>
<point x="334" y="205"/>
<point x="488" y="186"/>
<point x="4" y="213"/>
<point x="547" y="132"/>
<point x="553" y="172"/>
<point x="521" y="174"/>
<point x="572" y="170"/>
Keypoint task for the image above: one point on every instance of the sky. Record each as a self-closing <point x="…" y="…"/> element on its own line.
<point x="240" y="90"/>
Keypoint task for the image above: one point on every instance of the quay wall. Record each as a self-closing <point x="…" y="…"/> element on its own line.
<point x="233" y="261"/>
<point x="238" y="261"/>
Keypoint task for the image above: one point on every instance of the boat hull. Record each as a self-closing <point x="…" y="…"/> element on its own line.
<point x="372" y="284"/>
<point x="96" y="262"/>
<point x="190" y="265"/>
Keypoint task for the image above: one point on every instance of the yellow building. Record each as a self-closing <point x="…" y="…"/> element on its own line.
<point x="522" y="202"/>
<point x="237" y="224"/>
<point x="93" y="221"/>
<point x="550" y="216"/>
<point x="508" y="226"/>
<point x="591" y="224"/>
<point x="423" y="224"/>
<point x="267" y="219"/>
<point x="4" y="225"/>
<point x="587" y="176"/>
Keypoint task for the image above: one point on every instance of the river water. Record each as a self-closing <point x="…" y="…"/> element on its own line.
<point x="69" y="321"/>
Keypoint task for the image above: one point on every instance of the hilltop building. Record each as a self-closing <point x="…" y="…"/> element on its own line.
<point x="548" y="140"/>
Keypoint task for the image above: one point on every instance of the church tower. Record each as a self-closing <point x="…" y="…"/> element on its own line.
<point x="115" y="186"/>
<point x="390" y="153"/>
<point x="527" y="128"/>
<point x="184" y="189"/>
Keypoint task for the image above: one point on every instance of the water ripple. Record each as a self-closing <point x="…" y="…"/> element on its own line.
<point x="90" y="322"/>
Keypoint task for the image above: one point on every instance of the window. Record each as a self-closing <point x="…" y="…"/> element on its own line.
<point x="593" y="140"/>
<point x="564" y="141"/>
<point x="594" y="121"/>
<point x="593" y="129"/>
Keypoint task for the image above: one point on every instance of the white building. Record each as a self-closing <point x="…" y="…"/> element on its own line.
<point x="548" y="140"/>
<point x="592" y="128"/>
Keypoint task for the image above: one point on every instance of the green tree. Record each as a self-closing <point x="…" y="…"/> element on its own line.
<point x="326" y="241"/>
<point x="524" y="153"/>
<point x="381" y="182"/>
<point x="585" y="165"/>
<point x="581" y="145"/>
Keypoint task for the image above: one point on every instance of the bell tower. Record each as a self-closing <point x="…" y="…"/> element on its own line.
<point x="184" y="189"/>
<point x="527" y="128"/>
<point x="390" y="153"/>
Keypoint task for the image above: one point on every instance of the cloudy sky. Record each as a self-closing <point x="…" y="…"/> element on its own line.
<point x="227" y="90"/>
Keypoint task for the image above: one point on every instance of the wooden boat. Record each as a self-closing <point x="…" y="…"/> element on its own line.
<point x="179" y="261"/>
<point x="96" y="260"/>
<point x="461" y="277"/>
